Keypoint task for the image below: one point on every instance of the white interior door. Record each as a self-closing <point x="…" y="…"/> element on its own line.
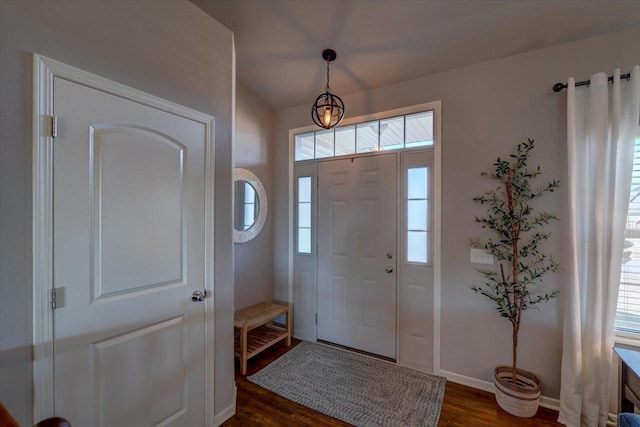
<point x="129" y="194"/>
<point x="357" y="253"/>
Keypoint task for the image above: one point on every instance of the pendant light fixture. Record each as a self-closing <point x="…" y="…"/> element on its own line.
<point x="328" y="110"/>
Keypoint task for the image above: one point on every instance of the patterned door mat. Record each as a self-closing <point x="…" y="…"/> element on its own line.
<point x="361" y="390"/>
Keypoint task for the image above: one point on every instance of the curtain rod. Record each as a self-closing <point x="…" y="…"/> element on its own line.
<point x="559" y="86"/>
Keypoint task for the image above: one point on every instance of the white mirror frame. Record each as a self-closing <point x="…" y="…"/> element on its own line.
<point x="240" y="174"/>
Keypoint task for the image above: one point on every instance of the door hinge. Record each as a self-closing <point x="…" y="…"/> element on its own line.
<point x="53" y="298"/>
<point x="316" y="318"/>
<point x="54" y="126"/>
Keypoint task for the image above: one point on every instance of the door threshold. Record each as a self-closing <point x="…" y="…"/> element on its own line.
<point x="355" y="350"/>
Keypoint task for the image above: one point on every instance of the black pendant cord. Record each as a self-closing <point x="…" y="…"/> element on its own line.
<point x="558" y="87"/>
<point x="327" y="88"/>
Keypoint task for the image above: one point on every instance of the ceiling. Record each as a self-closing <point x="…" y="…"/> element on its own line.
<point x="380" y="42"/>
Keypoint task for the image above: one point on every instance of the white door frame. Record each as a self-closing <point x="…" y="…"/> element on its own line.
<point x="436" y="107"/>
<point x="44" y="70"/>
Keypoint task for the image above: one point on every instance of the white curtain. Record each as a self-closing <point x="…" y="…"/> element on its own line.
<point x="602" y="123"/>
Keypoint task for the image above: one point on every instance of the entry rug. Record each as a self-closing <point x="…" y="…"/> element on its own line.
<point x="361" y="390"/>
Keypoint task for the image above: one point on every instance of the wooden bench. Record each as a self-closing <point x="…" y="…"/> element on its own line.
<point x="255" y="331"/>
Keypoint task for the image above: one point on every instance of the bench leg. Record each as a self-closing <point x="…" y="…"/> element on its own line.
<point x="243" y="351"/>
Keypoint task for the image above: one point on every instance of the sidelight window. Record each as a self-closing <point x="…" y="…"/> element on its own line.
<point x="304" y="215"/>
<point x="417" y="222"/>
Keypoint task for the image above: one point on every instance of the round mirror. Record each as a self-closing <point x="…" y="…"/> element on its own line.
<point x="250" y="205"/>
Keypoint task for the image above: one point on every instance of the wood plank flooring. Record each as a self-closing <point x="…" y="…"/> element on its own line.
<point x="6" y="420"/>
<point x="463" y="406"/>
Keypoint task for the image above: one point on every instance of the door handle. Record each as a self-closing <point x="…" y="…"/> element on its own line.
<point x="198" y="296"/>
<point x="388" y="270"/>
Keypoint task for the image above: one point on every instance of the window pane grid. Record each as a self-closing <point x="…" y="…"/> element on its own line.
<point x="367" y="137"/>
<point x="249" y="206"/>
<point x="417" y="229"/>
<point x="419" y="129"/>
<point x="249" y="215"/>
<point x="305" y="146"/>
<point x="392" y="133"/>
<point x="417" y="246"/>
<point x="627" y="321"/>
<point x="325" y="144"/>
<point x="345" y="140"/>
<point x="304" y="215"/>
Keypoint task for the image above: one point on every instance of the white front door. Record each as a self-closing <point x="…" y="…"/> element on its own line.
<point x="129" y="342"/>
<point x="357" y="253"/>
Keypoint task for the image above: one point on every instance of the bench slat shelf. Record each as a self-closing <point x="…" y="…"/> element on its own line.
<point x="256" y="332"/>
<point x="260" y="339"/>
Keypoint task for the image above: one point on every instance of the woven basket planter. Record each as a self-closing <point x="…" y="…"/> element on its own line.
<point x="520" y="399"/>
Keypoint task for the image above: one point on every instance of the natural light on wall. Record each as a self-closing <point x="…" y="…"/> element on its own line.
<point x="628" y="312"/>
<point x="411" y="130"/>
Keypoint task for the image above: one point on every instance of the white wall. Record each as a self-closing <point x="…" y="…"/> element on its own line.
<point x="170" y="49"/>
<point x="486" y="109"/>
<point x="253" y="150"/>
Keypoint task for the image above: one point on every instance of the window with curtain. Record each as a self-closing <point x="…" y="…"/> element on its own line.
<point x="627" y="322"/>
<point x="602" y="149"/>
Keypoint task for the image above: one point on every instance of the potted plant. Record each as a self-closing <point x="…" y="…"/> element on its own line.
<point x="513" y="284"/>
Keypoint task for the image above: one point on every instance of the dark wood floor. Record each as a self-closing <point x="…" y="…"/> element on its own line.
<point x="463" y="406"/>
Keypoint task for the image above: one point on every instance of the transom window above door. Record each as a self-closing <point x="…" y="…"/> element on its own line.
<point x="392" y="133"/>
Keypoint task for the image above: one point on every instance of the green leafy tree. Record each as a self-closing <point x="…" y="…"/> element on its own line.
<point x="518" y="233"/>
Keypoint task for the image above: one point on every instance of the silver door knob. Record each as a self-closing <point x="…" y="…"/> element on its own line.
<point x="389" y="255"/>
<point x="388" y="269"/>
<point x="198" y="296"/>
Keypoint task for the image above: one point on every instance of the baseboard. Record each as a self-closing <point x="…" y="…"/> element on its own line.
<point x="550" y="403"/>
<point x="468" y="381"/>
<point x="545" y="402"/>
<point x="229" y="411"/>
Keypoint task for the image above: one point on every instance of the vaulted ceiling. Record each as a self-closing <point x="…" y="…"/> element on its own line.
<point x="379" y="42"/>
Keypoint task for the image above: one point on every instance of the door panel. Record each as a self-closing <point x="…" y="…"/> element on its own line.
<point x="339" y="301"/>
<point x="339" y="228"/>
<point x="128" y="253"/>
<point x="170" y="367"/>
<point x="125" y="223"/>
<point x="356" y="229"/>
